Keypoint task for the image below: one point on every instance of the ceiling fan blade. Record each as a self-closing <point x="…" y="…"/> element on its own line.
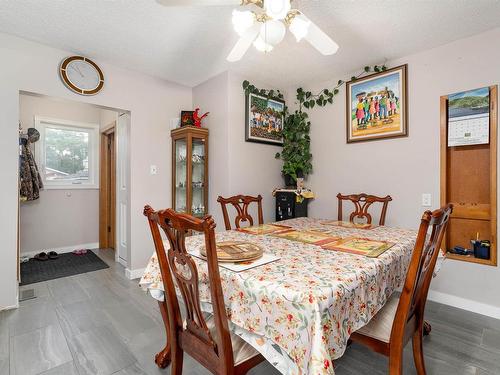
<point x="244" y="43"/>
<point x="177" y="3"/>
<point x="320" y="40"/>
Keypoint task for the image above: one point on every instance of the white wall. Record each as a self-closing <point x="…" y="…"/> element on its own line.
<point x="60" y="218"/>
<point x="235" y="166"/>
<point x="33" y="67"/>
<point x="253" y="168"/>
<point x="407" y="167"/>
<point x="212" y="96"/>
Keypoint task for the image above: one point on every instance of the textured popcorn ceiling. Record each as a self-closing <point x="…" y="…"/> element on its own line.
<point x="189" y="44"/>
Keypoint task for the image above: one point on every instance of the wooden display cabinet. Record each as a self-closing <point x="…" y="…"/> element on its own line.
<point x="469" y="181"/>
<point x="190" y="170"/>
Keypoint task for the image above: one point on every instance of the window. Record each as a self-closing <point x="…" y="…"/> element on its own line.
<point x="67" y="154"/>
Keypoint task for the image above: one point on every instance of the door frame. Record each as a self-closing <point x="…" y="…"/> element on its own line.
<point x="107" y="189"/>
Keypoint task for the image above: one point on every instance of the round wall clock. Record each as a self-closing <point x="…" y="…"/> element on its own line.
<point x="81" y="75"/>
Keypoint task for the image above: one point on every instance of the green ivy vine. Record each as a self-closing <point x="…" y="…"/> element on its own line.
<point x="296" y="153"/>
<point x="307" y="99"/>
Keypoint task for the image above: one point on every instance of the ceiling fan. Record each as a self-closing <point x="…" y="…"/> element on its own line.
<point x="263" y="24"/>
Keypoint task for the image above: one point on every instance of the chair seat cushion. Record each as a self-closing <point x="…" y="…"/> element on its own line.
<point x="242" y="351"/>
<point x="380" y="326"/>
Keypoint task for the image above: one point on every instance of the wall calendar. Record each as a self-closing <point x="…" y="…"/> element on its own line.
<point x="469" y="118"/>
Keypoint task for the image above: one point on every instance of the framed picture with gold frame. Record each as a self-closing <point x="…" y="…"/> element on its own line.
<point x="376" y="106"/>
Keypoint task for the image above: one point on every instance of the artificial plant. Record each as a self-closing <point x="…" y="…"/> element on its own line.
<point x="296" y="153"/>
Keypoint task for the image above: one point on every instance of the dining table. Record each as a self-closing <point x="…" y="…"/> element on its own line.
<point x="300" y="310"/>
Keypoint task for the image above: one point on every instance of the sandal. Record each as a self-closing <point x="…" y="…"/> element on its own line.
<point x="41" y="256"/>
<point x="53" y="255"/>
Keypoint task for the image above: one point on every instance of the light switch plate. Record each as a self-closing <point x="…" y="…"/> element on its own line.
<point x="153" y="169"/>
<point x="426" y="200"/>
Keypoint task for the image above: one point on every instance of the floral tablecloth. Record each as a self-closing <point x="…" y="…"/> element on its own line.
<point x="300" y="311"/>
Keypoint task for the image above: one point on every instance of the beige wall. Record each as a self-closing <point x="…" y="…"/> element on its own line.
<point x="254" y="170"/>
<point x="407" y="167"/>
<point x="212" y="96"/>
<point x="32" y="67"/>
<point x="235" y="166"/>
<point x="62" y="217"/>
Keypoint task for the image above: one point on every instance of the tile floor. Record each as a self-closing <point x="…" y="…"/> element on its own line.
<point x="102" y="323"/>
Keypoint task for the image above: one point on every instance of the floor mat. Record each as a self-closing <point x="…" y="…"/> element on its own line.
<point x="68" y="264"/>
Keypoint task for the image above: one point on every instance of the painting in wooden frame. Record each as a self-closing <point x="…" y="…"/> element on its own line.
<point x="376" y="106"/>
<point x="264" y="119"/>
<point x="187" y="118"/>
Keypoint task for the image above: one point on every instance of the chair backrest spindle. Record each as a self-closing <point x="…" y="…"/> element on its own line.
<point x="240" y="203"/>
<point x="362" y="203"/>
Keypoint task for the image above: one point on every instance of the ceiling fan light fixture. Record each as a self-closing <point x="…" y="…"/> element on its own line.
<point x="261" y="45"/>
<point x="272" y="32"/>
<point x="299" y="27"/>
<point x="242" y="21"/>
<point x="277" y="9"/>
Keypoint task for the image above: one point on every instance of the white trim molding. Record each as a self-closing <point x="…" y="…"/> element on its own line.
<point x="465" y="304"/>
<point x="62" y="250"/>
<point x="134" y="274"/>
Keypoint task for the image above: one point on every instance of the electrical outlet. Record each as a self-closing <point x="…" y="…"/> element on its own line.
<point x="426" y="200"/>
<point x="153" y="169"/>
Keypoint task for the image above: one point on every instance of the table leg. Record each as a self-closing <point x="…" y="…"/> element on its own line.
<point x="162" y="359"/>
<point x="427" y="328"/>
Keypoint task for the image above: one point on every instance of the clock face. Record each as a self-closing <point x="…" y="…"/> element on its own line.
<point x="82" y="75"/>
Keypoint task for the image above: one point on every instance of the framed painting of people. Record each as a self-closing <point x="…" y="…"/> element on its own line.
<point x="377" y="106"/>
<point x="264" y="119"/>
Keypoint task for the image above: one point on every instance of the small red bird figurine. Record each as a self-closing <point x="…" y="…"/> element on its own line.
<point x="197" y="119"/>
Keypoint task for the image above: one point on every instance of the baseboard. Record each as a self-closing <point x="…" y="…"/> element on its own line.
<point x="16" y="306"/>
<point x="134" y="274"/>
<point x="465" y="304"/>
<point x="123" y="262"/>
<point x="61" y="250"/>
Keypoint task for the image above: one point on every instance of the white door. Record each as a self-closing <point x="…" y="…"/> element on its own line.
<point x="122" y="187"/>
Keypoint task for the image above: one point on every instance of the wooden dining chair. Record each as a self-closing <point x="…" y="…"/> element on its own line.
<point x="402" y="317"/>
<point x="206" y="339"/>
<point x="362" y="203"/>
<point x="241" y="203"/>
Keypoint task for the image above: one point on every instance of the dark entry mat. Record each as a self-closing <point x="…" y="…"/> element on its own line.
<point x="68" y="264"/>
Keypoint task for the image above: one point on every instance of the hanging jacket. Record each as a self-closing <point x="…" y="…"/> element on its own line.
<point x="30" y="180"/>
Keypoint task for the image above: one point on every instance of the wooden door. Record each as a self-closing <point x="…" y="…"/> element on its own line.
<point x="107" y="196"/>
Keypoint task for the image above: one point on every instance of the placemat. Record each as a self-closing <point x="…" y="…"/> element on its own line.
<point x="310" y="237"/>
<point x="263" y="229"/>
<point x="348" y="224"/>
<point x="360" y="246"/>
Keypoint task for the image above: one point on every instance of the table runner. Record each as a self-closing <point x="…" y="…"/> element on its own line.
<point x="300" y="311"/>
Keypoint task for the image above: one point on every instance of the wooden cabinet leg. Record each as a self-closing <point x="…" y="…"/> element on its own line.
<point x="162" y="359"/>
<point x="427" y="328"/>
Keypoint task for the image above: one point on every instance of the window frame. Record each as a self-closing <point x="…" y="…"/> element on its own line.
<point x="41" y="123"/>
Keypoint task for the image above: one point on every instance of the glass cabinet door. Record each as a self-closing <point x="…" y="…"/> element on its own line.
<point x="198" y="177"/>
<point x="180" y="175"/>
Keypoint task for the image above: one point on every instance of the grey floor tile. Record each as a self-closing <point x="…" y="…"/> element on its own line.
<point x="66" y="291"/>
<point x="31" y="317"/>
<point x="112" y="327"/>
<point x="41" y="293"/>
<point x="67" y="368"/>
<point x="100" y="351"/>
<point x="491" y="339"/>
<point x="135" y="369"/>
<point x="4" y="366"/>
<point x="38" y="351"/>
<point x="128" y="320"/>
<point x="80" y="317"/>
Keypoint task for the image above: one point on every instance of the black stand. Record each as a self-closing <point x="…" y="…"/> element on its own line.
<point x="287" y="206"/>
